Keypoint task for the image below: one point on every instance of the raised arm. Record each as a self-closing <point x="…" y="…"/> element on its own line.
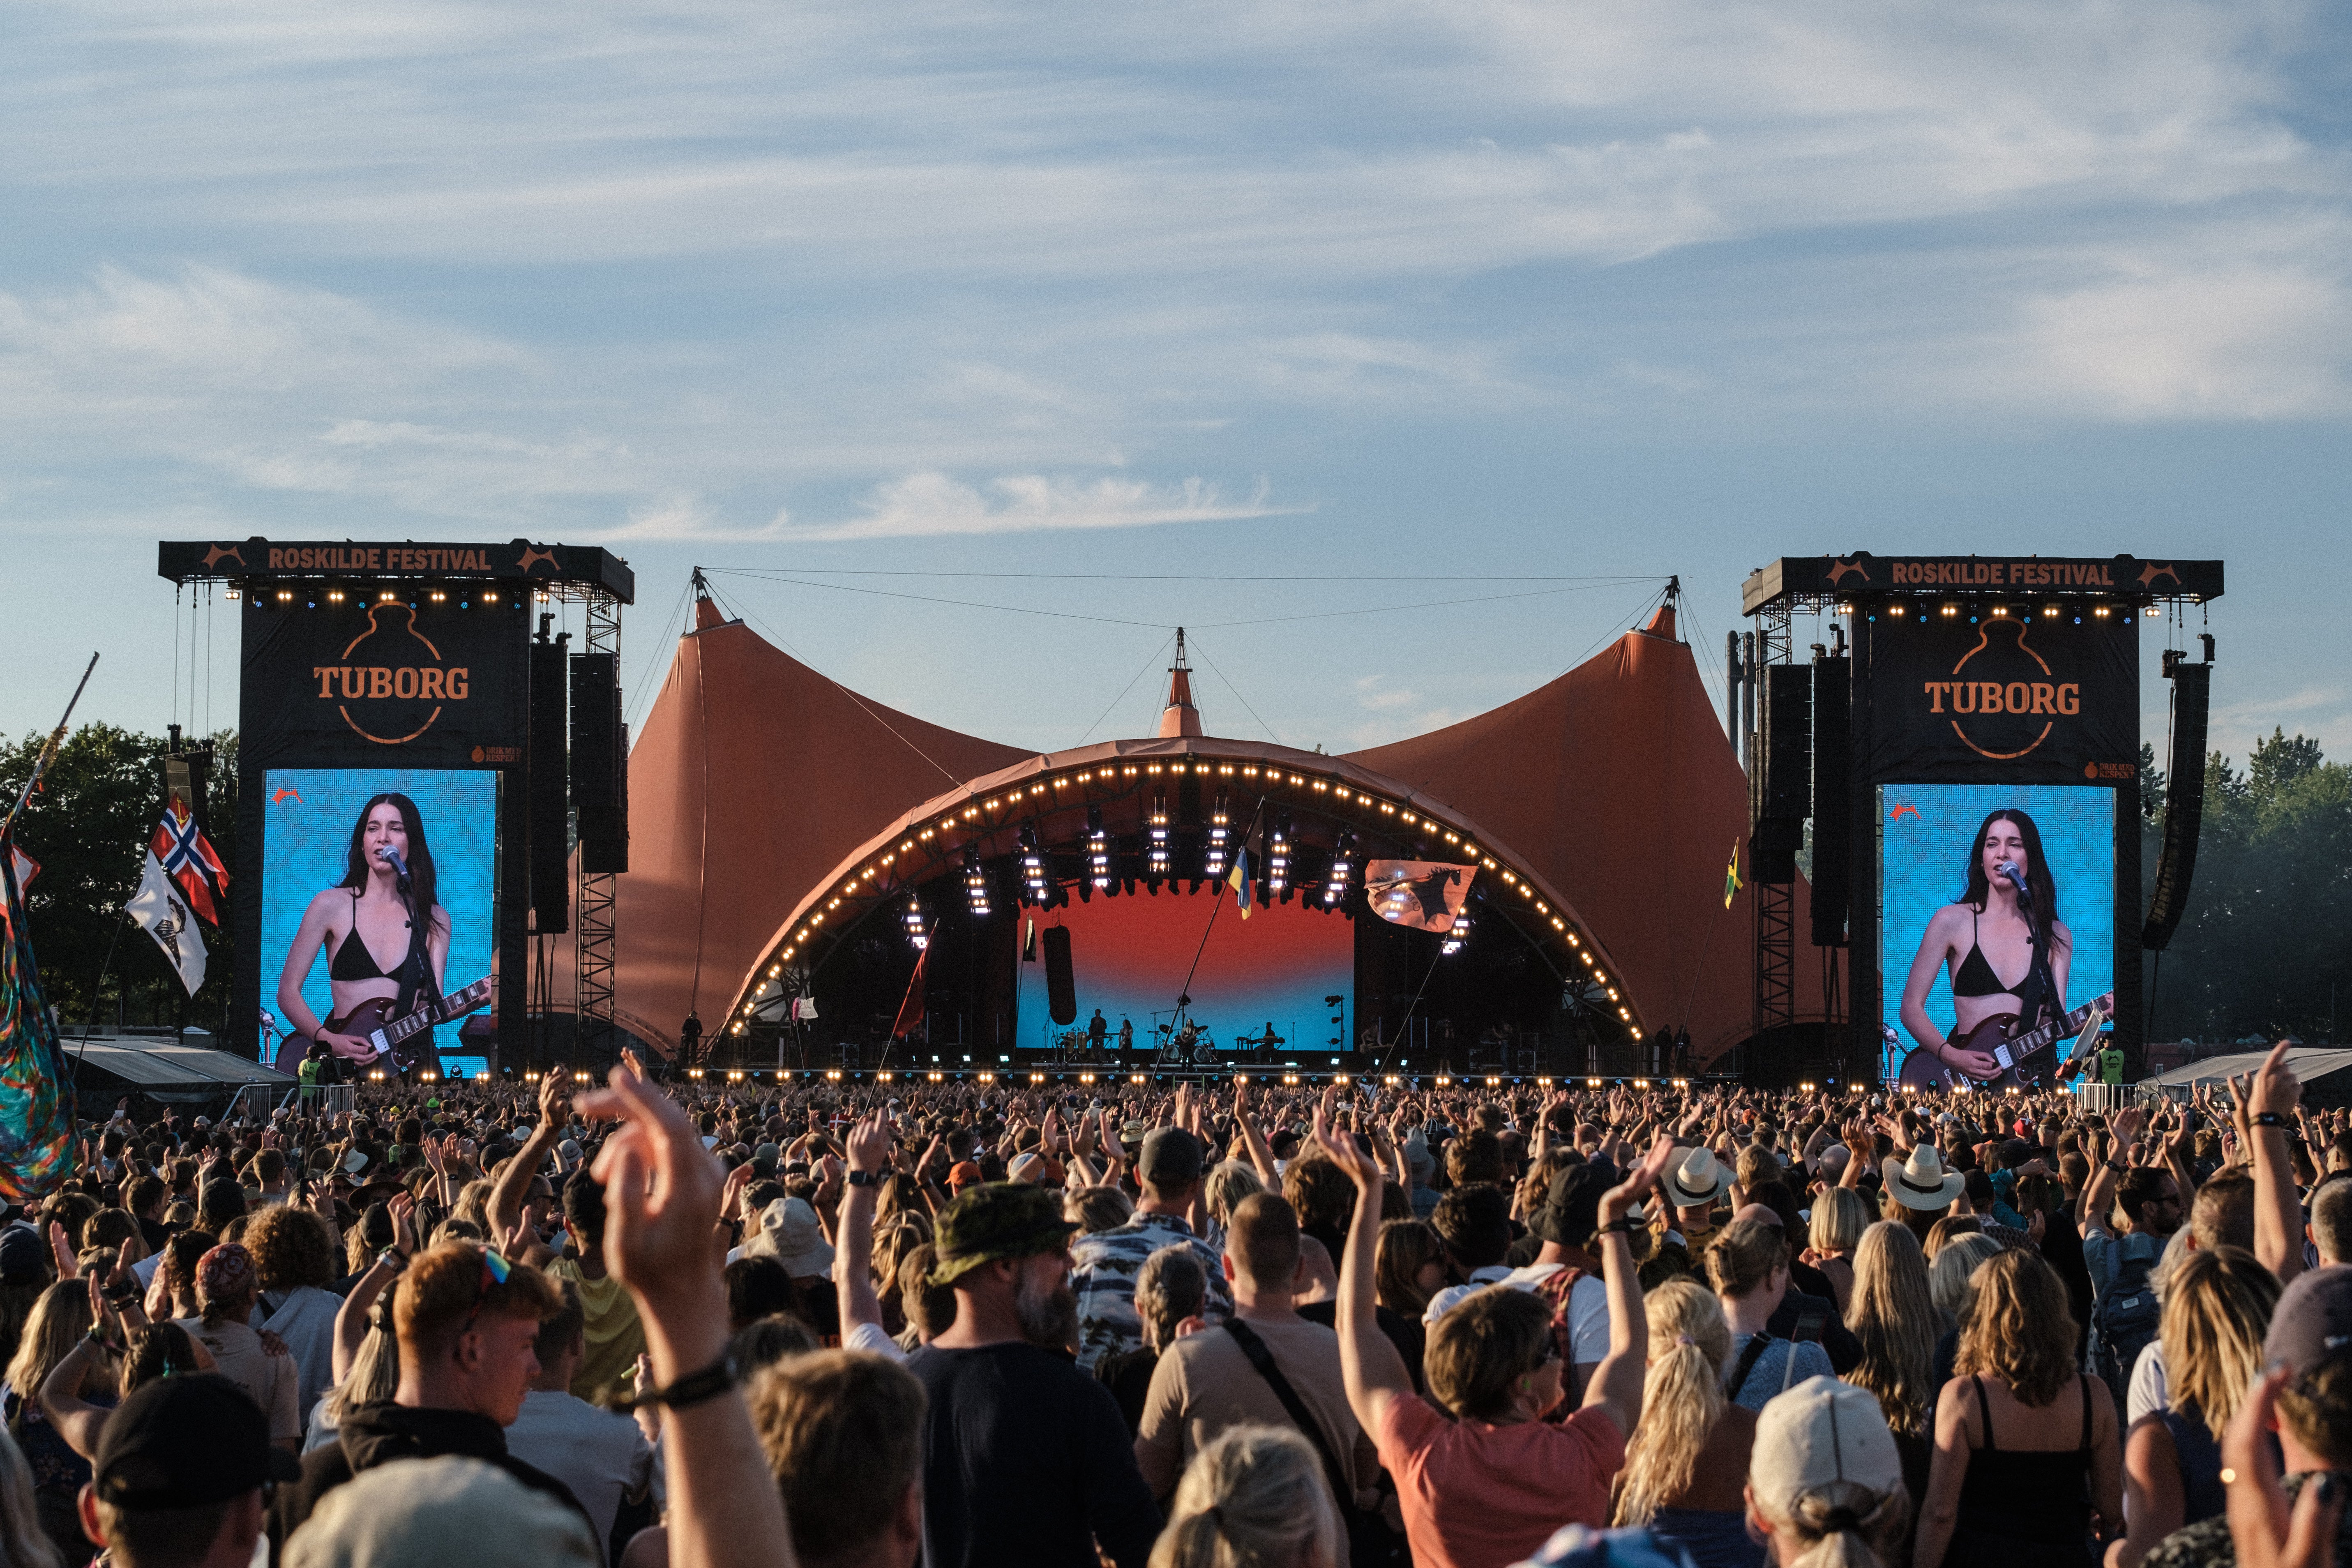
<point x="852" y="1270"/>
<point x="351" y="1317"/>
<point x="514" y="1181"/>
<point x="1261" y="1156"/>
<point x="1369" y="1364"/>
<point x="1616" y="1385"/>
<point x="2278" y="1214"/>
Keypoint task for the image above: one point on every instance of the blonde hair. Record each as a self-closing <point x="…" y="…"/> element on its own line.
<point x="1682" y="1399"/>
<point x="1842" y="1524"/>
<point x="1894" y="1316"/>
<point x="1953" y="1267"/>
<point x="1840" y="1216"/>
<point x="1745" y="1256"/>
<point x="59" y="1319"/>
<point x="2215" y="1314"/>
<point x="1255" y="1497"/>
<point x="1096" y="1208"/>
<point x="2020" y="1328"/>
<point x="1229" y="1182"/>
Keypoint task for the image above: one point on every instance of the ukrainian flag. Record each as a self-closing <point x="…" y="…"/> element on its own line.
<point x="1240" y="878"/>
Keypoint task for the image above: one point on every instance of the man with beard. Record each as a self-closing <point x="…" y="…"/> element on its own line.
<point x="1026" y="1460"/>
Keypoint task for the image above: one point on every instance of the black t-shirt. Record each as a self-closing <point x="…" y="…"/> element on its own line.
<point x="1026" y="1463"/>
<point x="1410" y="1337"/>
<point x="1127" y="1375"/>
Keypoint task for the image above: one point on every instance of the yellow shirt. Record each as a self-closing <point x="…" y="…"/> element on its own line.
<point x="615" y="1338"/>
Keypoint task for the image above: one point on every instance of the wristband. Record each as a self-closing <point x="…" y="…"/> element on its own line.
<point x="693" y="1388"/>
<point x="2269" y="1119"/>
<point x="865" y="1178"/>
<point x="392" y="1259"/>
<point x="1621" y="1226"/>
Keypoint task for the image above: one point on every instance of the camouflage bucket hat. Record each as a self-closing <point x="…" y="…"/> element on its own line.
<point x="999" y="1219"/>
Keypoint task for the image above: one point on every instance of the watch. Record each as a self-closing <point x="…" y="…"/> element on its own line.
<point x="865" y="1178"/>
<point x="392" y="1259"/>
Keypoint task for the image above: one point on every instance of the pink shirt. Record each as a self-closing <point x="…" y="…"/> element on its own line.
<point x="1480" y="1496"/>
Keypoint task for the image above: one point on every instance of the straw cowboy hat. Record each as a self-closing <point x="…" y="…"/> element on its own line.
<point x="1693" y="1181"/>
<point x="1921" y="1182"/>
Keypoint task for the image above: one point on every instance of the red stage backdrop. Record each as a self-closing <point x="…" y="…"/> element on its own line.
<point x="1129" y="956"/>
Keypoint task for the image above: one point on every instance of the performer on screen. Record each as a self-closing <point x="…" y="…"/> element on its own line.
<point x="2006" y="948"/>
<point x="365" y="926"/>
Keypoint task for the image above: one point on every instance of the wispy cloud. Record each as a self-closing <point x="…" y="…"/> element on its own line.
<point x="930" y="505"/>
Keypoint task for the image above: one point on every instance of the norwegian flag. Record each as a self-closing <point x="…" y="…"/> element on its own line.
<point x="188" y="858"/>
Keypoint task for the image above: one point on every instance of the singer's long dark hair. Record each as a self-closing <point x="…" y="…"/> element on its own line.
<point x="419" y="857"/>
<point x="2040" y="885"/>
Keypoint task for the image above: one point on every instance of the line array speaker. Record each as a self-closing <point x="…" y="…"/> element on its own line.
<point x="1061" y="984"/>
<point x="2184" y="800"/>
<point x="1832" y="798"/>
<point x="599" y="763"/>
<point x="550" y="825"/>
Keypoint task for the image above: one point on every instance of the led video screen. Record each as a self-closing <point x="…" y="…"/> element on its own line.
<point x="328" y="838"/>
<point x="1129" y="956"/>
<point x="1940" y="847"/>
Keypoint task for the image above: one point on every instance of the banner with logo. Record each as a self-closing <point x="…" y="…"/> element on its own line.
<point x="2017" y="698"/>
<point x="436" y="682"/>
<point x="1426" y="895"/>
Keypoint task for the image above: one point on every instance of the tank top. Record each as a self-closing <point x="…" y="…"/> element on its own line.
<point x="2036" y="1495"/>
<point x="2202" y="1495"/>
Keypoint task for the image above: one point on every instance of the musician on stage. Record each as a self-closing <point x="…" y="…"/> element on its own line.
<point x="365" y="926"/>
<point x="1096" y="1029"/>
<point x="2006" y="949"/>
<point x="1126" y="1033"/>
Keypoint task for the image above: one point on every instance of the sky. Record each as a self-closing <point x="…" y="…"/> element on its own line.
<point x="1401" y="353"/>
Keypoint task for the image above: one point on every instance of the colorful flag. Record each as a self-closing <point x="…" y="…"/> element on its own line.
<point x="1731" y="883"/>
<point x="1243" y="887"/>
<point x="26" y="868"/>
<point x="157" y="906"/>
<point x="36" y="1096"/>
<point x="1425" y="895"/>
<point x="188" y="858"/>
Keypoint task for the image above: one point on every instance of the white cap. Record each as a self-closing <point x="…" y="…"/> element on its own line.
<point x="1821" y="1431"/>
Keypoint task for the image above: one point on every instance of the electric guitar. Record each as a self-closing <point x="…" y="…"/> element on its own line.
<point x="371" y="1020"/>
<point x="2021" y="1057"/>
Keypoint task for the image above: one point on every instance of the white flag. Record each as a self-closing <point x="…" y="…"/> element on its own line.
<point x="158" y="907"/>
<point x="803" y="1006"/>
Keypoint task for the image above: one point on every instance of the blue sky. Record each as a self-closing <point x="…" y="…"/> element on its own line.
<point x="1237" y="292"/>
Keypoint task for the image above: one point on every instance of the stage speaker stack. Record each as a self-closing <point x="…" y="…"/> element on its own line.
<point x="1061" y="984"/>
<point x="550" y="888"/>
<point x="1832" y="798"/>
<point x="1784" y="775"/>
<point x="600" y="764"/>
<point x="2184" y="800"/>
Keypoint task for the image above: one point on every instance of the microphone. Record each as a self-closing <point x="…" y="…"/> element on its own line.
<point x="391" y="857"/>
<point x="2009" y="869"/>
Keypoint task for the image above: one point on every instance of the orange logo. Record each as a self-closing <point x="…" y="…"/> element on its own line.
<point x="398" y="685"/>
<point x="1839" y="569"/>
<point x="220" y="552"/>
<point x="533" y="553"/>
<point x="2010" y="700"/>
<point x="2152" y="571"/>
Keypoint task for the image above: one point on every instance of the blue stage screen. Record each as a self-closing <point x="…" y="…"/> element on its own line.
<point x="313" y="818"/>
<point x="1925" y="844"/>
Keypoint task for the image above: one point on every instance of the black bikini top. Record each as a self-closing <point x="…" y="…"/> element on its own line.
<point x="361" y="964"/>
<point x="1974" y="977"/>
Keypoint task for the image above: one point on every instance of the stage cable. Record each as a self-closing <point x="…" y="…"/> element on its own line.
<point x="1237" y="693"/>
<point x="1123" y="690"/>
<point x="1404" y="1026"/>
<point x="174" y="717"/>
<point x="1184" y="992"/>
<point x="778" y="638"/>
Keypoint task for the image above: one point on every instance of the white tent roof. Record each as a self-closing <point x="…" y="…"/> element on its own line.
<point x="2308" y="1062"/>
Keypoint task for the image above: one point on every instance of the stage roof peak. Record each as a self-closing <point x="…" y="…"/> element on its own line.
<point x="1178" y="717"/>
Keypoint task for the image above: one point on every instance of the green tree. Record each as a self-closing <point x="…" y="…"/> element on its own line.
<point x="89" y="826"/>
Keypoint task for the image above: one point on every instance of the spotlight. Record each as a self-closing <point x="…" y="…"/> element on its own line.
<point x="283" y="594"/>
<point x="975" y="882"/>
<point x="1459" y="936"/>
<point x="913" y="920"/>
<point x="1278" y="855"/>
<point x="1159" y="833"/>
<point x="1334" y="885"/>
<point x="1220" y="839"/>
<point x="1032" y="865"/>
<point x="1098" y="849"/>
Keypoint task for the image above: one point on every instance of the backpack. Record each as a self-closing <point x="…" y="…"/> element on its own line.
<point x="2124" y="1320"/>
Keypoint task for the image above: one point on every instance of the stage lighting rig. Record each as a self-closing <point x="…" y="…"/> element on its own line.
<point x="1032" y="865"/>
<point x="1334" y="885"/>
<point x="1097" y="848"/>
<point x="1220" y="841"/>
<point x="1159" y="833"/>
<point x="1457" y="938"/>
<point x="1277" y="856"/>
<point x="913" y="920"/>
<point x="975" y="882"/>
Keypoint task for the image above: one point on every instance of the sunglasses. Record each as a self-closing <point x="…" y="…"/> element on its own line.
<point x="495" y="1272"/>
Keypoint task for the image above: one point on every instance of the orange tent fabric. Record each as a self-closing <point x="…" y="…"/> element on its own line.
<point x="754" y="777"/>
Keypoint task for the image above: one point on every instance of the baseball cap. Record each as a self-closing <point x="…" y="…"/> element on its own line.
<point x="996" y="1220"/>
<point x="185" y="1442"/>
<point x="1570" y="1212"/>
<point x="1171" y="1157"/>
<point x="966" y="1174"/>
<point x="2313" y="1321"/>
<point x="1819" y="1432"/>
<point x="444" y="1509"/>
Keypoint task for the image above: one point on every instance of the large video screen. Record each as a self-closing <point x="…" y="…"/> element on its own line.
<point x="1932" y="840"/>
<point x="323" y="867"/>
<point x="1129" y="956"/>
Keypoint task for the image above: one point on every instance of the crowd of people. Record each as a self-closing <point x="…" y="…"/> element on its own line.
<point x="976" y="1325"/>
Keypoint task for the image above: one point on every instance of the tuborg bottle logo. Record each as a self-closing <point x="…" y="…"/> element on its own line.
<point x="390" y="684"/>
<point x="2004" y="699"/>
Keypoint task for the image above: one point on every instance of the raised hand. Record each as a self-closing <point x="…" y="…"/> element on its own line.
<point x="2267" y="1531"/>
<point x="869" y="1142"/>
<point x="1360" y="1167"/>
<point x="1641" y="1180"/>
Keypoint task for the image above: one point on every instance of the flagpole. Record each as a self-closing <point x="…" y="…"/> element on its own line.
<point x="49" y="750"/>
